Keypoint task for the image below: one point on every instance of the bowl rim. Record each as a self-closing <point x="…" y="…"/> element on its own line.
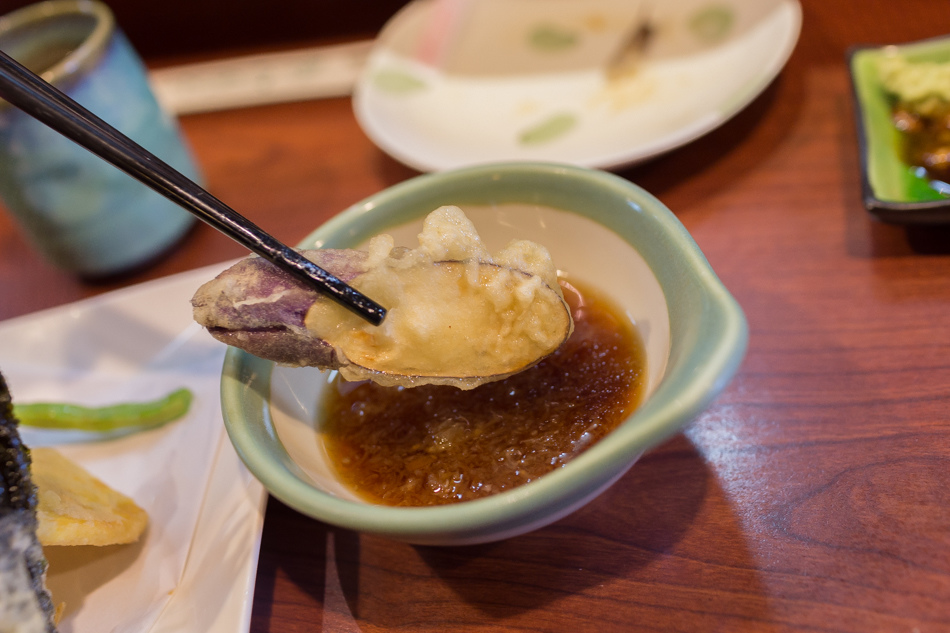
<point x="85" y="56"/>
<point x="245" y="383"/>
<point x="894" y="212"/>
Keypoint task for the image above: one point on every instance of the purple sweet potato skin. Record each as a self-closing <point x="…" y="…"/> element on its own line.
<point x="259" y="308"/>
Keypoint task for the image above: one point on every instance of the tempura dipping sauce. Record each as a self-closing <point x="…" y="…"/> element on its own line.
<point x="434" y="445"/>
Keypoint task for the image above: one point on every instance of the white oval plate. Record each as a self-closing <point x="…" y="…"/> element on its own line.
<point x="452" y="83"/>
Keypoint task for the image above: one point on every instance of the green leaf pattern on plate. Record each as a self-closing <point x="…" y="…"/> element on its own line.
<point x="549" y="129"/>
<point x="397" y="81"/>
<point x="548" y="38"/>
<point x="712" y="23"/>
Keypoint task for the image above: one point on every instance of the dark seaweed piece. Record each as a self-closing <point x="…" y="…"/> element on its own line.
<point x="16" y="487"/>
<point x="25" y="604"/>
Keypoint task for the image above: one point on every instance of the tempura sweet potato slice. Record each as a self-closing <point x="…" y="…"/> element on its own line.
<point x="257" y="307"/>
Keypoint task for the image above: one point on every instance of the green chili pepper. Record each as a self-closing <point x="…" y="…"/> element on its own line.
<point x="117" y="417"/>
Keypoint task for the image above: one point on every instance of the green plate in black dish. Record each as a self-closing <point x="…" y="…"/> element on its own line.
<point x="893" y="190"/>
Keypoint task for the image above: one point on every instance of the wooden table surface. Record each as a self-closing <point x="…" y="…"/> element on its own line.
<point x="813" y="495"/>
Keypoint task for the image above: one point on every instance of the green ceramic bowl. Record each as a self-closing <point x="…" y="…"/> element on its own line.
<point x="893" y="190"/>
<point x="600" y="229"/>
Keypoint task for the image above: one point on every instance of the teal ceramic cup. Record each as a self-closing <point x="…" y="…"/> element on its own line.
<point x="82" y="213"/>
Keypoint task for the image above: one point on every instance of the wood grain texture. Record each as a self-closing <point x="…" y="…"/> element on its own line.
<point x="813" y="495"/>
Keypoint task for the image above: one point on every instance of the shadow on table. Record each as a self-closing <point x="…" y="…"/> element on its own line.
<point x="871" y="239"/>
<point x="718" y="159"/>
<point x="390" y="171"/>
<point x="639" y="519"/>
<point x="929" y="240"/>
<point x="630" y="539"/>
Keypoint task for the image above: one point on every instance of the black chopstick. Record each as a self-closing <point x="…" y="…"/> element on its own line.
<point x="30" y="93"/>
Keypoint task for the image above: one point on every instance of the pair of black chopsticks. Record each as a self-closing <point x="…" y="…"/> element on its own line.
<point x="30" y="93"/>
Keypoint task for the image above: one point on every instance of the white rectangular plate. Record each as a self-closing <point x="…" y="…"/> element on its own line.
<point x="194" y="568"/>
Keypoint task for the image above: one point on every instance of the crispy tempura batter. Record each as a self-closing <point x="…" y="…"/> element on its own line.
<point x="457" y="314"/>
<point x="75" y="508"/>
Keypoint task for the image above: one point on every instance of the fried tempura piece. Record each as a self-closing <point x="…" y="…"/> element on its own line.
<point x="75" y="508"/>
<point x="457" y="314"/>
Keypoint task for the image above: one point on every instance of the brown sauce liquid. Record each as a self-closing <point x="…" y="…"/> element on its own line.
<point x="926" y="140"/>
<point x="434" y="445"/>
